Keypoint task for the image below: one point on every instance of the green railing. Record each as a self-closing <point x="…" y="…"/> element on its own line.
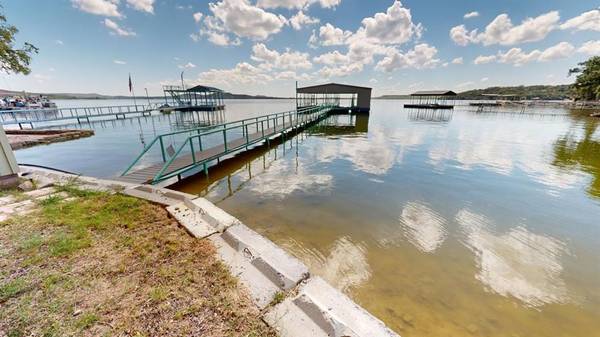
<point x="265" y="126"/>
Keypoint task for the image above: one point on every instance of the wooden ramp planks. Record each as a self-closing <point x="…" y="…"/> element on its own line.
<point x="147" y="174"/>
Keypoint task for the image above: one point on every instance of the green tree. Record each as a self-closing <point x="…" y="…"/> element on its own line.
<point x="587" y="84"/>
<point x="12" y="59"/>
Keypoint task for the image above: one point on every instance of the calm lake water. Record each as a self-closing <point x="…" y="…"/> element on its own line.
<point x="440" y="224"/>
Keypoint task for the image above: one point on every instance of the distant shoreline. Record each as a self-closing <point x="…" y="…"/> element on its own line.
<point x="94" y="96"/>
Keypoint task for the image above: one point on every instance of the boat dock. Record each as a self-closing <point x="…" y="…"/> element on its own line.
<point x="84" y="114"/>
<point x="198" y="147"/>
<point x="432" y="99"/>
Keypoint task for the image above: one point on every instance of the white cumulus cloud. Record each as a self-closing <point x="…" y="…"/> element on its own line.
<point x="471" y="15"/>
<point x="188" y="65"/>
<point x="116" y="29"/>
<point x="518" y="57"/>
<point x="240" y="18"/>
<point x="586" y="21"/>
<point x="98" y="7"/>
<point x="296" y="4"/>
<point x="502" y="31"/>
<point x="458" y="60"/>
<point x="590" y="48"/>
<point x="422" y="56"/>
<point x="300" y="20"/>
<point x="289" y="60"/>
<point x="142" y="5"/>
<point x="333" y="36"/>
<point x="481" y="59"/>
<point x="395" y="26"/>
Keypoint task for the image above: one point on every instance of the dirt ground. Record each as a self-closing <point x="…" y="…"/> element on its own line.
<point x="19" y="139"/>
<point x="92" y="264"/>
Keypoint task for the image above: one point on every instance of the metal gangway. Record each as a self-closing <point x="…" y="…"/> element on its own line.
<point x="85" y="114"/>
<point x="198" y="147"/>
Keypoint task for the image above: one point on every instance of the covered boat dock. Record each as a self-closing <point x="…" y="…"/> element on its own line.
<point x="197" y="98"/>
<point x="432" y="99"/>
<point x="347" y="98"/>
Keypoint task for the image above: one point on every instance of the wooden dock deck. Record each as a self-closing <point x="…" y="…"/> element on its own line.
<point x="191" y="153"/>
<point x="147" y="174"/>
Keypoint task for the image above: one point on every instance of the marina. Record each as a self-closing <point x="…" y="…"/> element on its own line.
<point x="297" y="168"/>
<point x="410" y="165"/>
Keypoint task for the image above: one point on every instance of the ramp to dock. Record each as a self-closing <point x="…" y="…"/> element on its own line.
<point x="199" y="146"/>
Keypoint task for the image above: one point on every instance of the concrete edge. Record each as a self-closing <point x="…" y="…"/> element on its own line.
<point x="294" y="302"/>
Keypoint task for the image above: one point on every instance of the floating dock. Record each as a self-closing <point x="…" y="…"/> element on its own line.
<point x="431" y="99"/>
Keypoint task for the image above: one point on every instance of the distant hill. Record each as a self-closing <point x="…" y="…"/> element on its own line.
<point x="226" y="95"/>
<point x="392" y="97"/>
<point x="545" y="92"/>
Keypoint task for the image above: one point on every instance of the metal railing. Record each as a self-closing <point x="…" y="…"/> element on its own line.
<point x="261" y="128"/>
<point x="30" y="116"/>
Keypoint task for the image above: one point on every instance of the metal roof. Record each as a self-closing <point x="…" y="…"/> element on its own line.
<point x="434" y="93"/>
<point x="350" y="88"/>
<point x="203" y="88"/>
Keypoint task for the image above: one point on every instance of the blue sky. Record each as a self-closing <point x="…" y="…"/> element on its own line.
<point x="264" y="46"/>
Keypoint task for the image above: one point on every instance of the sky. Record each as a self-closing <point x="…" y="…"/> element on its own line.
<point x="265" y="46"/>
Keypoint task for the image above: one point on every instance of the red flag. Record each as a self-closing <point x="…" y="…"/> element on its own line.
<point x="130" y="84"/>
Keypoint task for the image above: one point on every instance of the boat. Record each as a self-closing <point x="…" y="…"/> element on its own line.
<point x="16" y="103"/>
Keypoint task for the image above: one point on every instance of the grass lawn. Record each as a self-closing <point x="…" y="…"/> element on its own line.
<point x="95" y="264"/>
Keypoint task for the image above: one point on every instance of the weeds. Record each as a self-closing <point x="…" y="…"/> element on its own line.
<point x="122" y="261"/>
<point x="11" y="289"/>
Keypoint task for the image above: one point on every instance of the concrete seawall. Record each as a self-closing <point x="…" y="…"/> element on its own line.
<point x="293" y="302"/>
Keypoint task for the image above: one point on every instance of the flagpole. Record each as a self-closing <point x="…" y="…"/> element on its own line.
<point x="132" y="92"/>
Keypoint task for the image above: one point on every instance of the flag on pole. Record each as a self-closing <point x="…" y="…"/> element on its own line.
<point x="130" y="84"/>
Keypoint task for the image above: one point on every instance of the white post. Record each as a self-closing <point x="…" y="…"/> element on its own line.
<point x="8" y="164"/>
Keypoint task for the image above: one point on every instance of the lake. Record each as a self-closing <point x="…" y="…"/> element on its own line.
<point x="440" y="223"/>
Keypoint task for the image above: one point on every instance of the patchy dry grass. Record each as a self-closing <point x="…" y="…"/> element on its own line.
<point x="111" y="265"/>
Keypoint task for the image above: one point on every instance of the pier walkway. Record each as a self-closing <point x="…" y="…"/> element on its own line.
<point x="35" y="116"/>
<point x="201" y="146"/>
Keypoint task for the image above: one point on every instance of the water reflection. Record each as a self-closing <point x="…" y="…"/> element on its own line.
<point x="518" y="263"/>
<point x="429" y="115"/>
<point x="466" y="227"/>
<point x="338" y="125"/>
<point x="580" y="149"/>
<point x="282" y="179"/>
<point x="421" y="226"/>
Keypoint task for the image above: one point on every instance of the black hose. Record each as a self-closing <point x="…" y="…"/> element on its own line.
<point x="49" y="168"/>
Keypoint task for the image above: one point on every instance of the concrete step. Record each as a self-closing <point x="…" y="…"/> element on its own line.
<point x="158" y="195"/>
<point x="201" y="218"/>
<point x="320" y="310"/>
<point x="263" y="267"/>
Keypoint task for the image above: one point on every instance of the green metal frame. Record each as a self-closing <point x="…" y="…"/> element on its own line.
<point x="295" y="118"/>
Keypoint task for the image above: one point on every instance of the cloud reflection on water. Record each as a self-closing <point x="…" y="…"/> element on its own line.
<point x="502" y="150"/>
<point x="282" y="179"/>
<point x="375" y="154"/>
<point x="422" y="227"/>
<point x="344" y="267"/>
<point x="518" y="263"/>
